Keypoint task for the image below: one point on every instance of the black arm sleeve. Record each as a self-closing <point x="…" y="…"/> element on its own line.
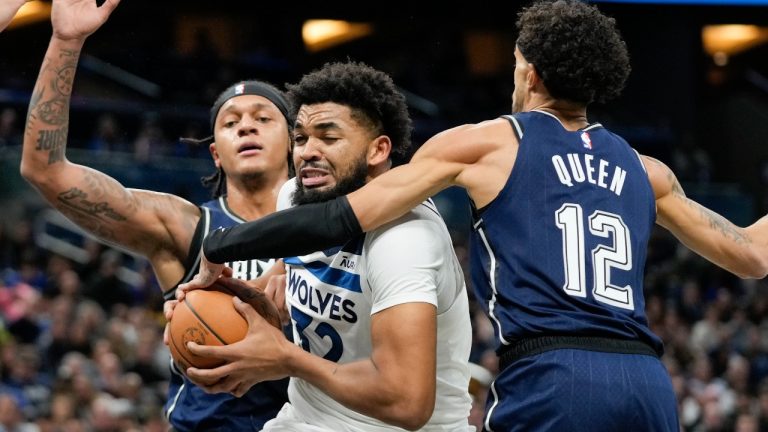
<point x="296" y="231"/>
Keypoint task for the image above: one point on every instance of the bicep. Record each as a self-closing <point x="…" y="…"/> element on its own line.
<point x="438" y="164"/>
<point x="404" y="345"/>
<point x="134" y="219"/>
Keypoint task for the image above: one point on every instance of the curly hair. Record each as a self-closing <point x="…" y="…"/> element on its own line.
<point x="577" y="51"/>
<point x="370" y="94"/>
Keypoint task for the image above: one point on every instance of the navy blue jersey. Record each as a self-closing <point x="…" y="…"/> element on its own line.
<point x="189" y="408"/>
<point x="561" y="250"/>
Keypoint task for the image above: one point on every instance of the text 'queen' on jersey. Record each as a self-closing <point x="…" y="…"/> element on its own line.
<point x="556" y="252"/>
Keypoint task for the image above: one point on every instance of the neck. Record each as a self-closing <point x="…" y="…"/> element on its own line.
<point x="254" y="198"/>
<point x="572" y="115"/>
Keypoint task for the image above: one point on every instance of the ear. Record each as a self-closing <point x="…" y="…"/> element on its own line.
<point x="214" y="154"/>
<point x="532" y="78"/>
<point x="379" y="150"/>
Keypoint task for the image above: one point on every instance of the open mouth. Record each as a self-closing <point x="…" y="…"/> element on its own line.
<point x="314" y="177"/>
<point x="249" y="148"/>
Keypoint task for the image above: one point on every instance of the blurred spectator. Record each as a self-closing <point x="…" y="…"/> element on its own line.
<point x="105" y="287"/>
<point x="10" y="134"/>
<point x="11" y="417"/>
<point x="107" y="137"/>
<point x="150" y="141"/>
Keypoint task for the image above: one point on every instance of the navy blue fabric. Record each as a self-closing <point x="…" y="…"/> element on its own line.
<point x="518" y="247"/>
<point x="583" y="391"/>
<point x="196" y="410"/>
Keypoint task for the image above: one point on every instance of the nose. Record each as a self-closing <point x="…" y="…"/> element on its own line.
<point x="310" y="150"/>
<point x="247" y="125"/>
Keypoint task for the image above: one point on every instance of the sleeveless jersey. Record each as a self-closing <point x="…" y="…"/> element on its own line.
<point x="189" y="408"/>
<point x="333" y="295"/>
<point x="561" y="250"/>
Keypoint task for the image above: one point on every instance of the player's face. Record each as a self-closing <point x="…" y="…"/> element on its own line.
<point x="520" y="94"/>
<point x="250" y="137"/>
<point x="329" y="152"/>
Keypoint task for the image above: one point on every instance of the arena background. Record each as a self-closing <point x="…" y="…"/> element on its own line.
<point x="80" y="322"/>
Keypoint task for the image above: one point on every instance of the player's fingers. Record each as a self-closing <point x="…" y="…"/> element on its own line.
<point x="241" y="389"/>
<point x="218" y="352"/>
<point x="197" y="282"/>
<point x="167" y="334"/>
<point x="168" y="308"/>
<point x="228" y="272"/>
<point x="210" y="382"/>
<point x="276" y="292"/>
<point x="246" y="310"/>
<point x="108" y="6"/>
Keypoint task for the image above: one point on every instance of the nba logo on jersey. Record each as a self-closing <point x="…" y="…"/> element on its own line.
<point x="586" y="141"/>
<point x="239" y="89"/>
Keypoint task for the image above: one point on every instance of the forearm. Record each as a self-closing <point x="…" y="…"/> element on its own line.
<point x="45" y="136"/>
<point x="399" y="190"/>
<point x="742" y="251"/>
<point x="365" y="388"/>
<point x="296" y="231"/>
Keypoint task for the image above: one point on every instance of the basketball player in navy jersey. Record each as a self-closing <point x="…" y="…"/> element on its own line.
<point x="564" y="209"/>
<point x="250" y="143"/>
<point x="8" y="9"/>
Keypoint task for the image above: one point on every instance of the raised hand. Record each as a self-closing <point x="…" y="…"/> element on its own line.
<point x="8" y="9"/>
<point x="77" y="19"/>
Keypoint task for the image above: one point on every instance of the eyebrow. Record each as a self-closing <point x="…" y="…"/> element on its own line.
<point x="256" y="106"/>
<point x="325" y="126"/>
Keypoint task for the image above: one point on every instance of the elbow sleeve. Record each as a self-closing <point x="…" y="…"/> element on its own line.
<point x="296" y="231"/>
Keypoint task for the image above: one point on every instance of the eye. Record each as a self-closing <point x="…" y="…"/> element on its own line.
<point x="299" y="139"/>
<point x="230" y="123"/>
<point x="264" y="119"/>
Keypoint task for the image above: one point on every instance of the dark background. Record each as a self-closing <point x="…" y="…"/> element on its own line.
<point x="454" y="61"/>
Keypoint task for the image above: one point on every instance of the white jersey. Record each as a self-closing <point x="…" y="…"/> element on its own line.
<point x="332" y="295"/>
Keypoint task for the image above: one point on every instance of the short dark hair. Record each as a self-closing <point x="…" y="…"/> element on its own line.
<point x="577" y="51"/>
<point x="366" y="91"/>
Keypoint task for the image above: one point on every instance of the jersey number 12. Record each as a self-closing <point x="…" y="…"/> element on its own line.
<point x="605" y="258"/>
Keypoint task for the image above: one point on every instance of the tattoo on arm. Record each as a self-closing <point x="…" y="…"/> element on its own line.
<point x="77" y="201"/>
<point x="719" y="223"/>
<point x="52" y="107"/>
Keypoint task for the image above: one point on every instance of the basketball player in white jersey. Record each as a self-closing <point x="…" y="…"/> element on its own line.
<point x="381" y="322"/>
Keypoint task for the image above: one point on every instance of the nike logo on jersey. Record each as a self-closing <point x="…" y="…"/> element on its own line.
<point x="582" y="168"/>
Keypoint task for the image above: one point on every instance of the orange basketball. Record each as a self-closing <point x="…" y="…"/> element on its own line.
<point x="207" y="317"/>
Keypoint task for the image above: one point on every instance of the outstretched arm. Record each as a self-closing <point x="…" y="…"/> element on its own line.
<point x="145" y="222"/>
<point x="742" y="251"/>
<point x="8" y="9"/>
<point x="476" y="157"/>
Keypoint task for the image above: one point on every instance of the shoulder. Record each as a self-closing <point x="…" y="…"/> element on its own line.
<point x="285" y="196"/>
<point x="469" y="143"/>
<point x="663" y="180"/>
<point x="420" y="228"/>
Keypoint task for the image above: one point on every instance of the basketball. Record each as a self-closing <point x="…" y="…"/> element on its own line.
<point x="208" y="317"/>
